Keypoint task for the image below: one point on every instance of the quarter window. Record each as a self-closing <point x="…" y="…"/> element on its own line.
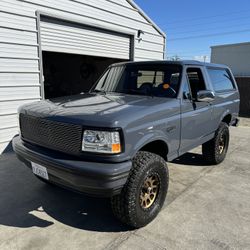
<point x="221" y="79"/>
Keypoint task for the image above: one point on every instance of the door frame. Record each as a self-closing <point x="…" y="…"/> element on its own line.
<point x="40" y="14"/>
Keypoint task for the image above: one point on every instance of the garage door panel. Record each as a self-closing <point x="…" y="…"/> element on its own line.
<point x="87" y="49"/>
<point x="82" y="39"/>
<point x="77" y="30"/>
<point x="65" y="37"/>
<point x="85" y="44"/>
<point x="70" y="50"/>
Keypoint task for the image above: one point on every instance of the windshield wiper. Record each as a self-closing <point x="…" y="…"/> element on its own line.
<point x="99" y="91"/>
<point x="133" y="91"/>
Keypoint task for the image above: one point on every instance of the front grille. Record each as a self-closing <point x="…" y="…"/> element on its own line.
<point x="64" y="137"/>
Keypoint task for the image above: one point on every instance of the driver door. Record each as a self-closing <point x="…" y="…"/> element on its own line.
<point x="196" y="117"/>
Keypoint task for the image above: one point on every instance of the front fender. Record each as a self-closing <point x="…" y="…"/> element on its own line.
<point x="148" y="138"/>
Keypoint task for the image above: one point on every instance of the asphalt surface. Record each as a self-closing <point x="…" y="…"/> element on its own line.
<point x="207" y="207"/>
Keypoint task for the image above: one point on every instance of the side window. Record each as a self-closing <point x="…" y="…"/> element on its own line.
<point x="196" y="81"/>
<point x="220" y="79"/>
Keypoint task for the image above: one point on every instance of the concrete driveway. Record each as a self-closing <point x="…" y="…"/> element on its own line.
<point x="208" y="207"/>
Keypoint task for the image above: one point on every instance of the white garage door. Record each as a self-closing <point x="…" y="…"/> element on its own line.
<point x="65" y="37"/>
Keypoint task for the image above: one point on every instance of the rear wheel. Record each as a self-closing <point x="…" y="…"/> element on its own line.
<point x="215" y="150"/>
<point x="145" y="191"/>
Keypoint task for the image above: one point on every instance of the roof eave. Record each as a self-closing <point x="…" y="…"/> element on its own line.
<point x="147" y="17"/>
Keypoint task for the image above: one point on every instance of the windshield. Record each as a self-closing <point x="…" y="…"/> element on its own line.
<point x="152" y="80"/>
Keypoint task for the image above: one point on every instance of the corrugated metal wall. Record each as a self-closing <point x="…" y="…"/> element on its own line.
<point x="236" y="56"/>
<point x="19" y="57"/>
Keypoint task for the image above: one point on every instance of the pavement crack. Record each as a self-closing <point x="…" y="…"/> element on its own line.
<point x="204" y="173"/>
<point x="119" y="240"/>
<point x="157" y="245"/>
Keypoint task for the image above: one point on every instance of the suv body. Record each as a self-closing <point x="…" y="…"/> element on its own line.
<point x="171" y="108"/>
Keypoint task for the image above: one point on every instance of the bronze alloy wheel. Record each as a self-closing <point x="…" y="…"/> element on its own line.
<point x="215" y="150"/>
<point x="143" y="196"/>
<point x="149" y="191"/>
<point x="222" y="142"/>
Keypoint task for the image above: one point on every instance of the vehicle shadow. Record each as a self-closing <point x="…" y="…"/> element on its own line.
<point x="191" y="159"/>
<point x="27" y="202"/>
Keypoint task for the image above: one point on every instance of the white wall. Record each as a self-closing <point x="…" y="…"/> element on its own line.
<point x="19" y="57"/>
<point x="236" y="56"/>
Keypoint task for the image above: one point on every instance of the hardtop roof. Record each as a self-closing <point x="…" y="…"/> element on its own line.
<point x="182" y="63"/>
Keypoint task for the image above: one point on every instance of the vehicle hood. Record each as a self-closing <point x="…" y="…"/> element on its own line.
<point x="110" y="110"/>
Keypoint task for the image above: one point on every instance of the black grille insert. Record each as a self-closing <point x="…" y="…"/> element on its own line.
<point x="64" y="137"/>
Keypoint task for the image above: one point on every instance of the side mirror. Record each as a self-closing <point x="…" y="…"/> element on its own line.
<point x="205" y="96"/>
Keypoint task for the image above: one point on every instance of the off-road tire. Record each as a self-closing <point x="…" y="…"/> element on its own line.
<point x="211" y="150"/>
<point x="126" y="206"/>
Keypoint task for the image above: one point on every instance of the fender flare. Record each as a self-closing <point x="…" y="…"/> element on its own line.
<point x="149" y="138"/>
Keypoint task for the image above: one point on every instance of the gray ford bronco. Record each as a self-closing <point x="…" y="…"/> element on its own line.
<point x="115" y="140"/>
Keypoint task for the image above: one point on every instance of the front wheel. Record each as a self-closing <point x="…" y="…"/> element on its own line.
<point x="215" y="150"/>
<point x="144" y="193"/>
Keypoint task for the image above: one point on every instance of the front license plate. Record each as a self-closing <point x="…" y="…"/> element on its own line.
<point x="39" y="170"/>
